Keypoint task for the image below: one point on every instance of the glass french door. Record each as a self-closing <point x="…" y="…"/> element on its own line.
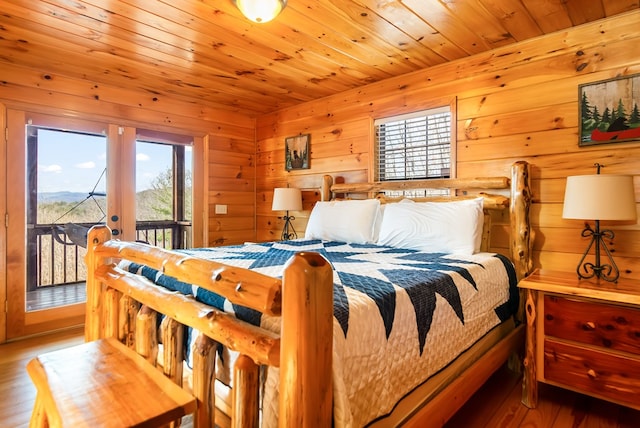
<point x="64" y="176"/>
<point x="164" y="185"/>
<point x="66" y="195"/>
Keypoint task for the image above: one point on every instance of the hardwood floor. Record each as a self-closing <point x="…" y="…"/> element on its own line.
<point x="496" y="404"/>
<point x="17" y="392"/>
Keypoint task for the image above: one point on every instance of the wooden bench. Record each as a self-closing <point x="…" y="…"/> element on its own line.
<point x="103" y="384"/>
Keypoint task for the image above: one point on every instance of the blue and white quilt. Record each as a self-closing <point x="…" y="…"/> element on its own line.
<point x="399" y="315"/>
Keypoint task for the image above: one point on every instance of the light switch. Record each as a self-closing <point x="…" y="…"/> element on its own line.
<point x="221" y="209"/>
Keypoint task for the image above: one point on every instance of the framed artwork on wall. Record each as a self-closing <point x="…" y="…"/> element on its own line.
<point x="608" y="111"/>
<point x="296" y="152"/>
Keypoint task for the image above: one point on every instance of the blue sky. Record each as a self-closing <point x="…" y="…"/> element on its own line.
<point x="75" y="162"/>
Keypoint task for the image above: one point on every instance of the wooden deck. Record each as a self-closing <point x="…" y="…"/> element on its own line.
<point x="52" y="297"/>
<point x="496" y="404"/>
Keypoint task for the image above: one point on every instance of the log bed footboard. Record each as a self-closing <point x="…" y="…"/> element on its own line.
<point x="127" y="306"/>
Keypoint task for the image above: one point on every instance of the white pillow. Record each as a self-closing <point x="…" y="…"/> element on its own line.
<point x="344" y="221"/>
<point x="438" y="227"/>
<point x="378" y="223"/>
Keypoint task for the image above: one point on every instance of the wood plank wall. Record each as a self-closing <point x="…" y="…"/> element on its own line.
<point x="3" y="231"/>
<point x="517" y="102"/>
<point x="230" y="136"/>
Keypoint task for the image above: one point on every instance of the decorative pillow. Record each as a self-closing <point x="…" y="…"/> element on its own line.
<point x="350" y="221"/>
<point x="438" y="227"/>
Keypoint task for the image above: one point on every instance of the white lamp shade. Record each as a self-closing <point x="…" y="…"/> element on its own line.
<point x="600" y="197"/>
<point x="261" y="11"/>
<point x="287" y="199"/>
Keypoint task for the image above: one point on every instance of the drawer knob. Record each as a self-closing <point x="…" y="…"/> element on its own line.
<point x="592" y="374"/>
<point x="622" y="321"/>
<point x="589" y="326"/>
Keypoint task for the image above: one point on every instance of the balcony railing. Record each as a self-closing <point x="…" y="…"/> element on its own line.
<point x="54" y="260"/>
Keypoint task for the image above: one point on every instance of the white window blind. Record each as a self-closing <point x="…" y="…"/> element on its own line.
<point x="414" y="146"/>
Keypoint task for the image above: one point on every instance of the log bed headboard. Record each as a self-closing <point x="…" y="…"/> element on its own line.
<point x="515" y="199"/>
<point x="126" y="306"/>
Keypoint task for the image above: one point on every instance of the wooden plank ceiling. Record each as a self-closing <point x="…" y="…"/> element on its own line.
<point x="207" y="52"/>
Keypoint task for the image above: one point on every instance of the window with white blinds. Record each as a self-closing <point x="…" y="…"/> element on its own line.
<point x="414" y="146"/>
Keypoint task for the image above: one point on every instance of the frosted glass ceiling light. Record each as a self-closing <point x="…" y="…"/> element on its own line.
<point x="260" y="11"/>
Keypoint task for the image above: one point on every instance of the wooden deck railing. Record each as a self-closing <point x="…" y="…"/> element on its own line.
<point x="53" y="260"/>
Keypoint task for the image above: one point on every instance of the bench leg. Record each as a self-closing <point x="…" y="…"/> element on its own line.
<point x="39" y="416"/>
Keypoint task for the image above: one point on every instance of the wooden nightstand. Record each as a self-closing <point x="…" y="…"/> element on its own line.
<point x="582" y="335"/>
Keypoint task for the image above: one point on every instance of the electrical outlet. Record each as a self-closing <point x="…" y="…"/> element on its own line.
<point x="221" y="209"/>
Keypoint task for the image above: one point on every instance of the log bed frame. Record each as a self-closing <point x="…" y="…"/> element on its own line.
<point x="126" y="306"/>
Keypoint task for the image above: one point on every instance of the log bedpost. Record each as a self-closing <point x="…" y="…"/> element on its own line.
<point x="327" y="181"/>
<point x="97" y="235"/>
<point x="521" y="238"/>
<point x="306" y="396"/>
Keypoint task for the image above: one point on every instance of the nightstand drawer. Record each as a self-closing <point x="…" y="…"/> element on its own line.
<point x="609" y="376"/>
<point x="606" y="325"/>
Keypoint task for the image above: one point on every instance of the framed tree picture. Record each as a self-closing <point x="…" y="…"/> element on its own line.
<point x="608" y="111"/>
<point x="296" y="152"/>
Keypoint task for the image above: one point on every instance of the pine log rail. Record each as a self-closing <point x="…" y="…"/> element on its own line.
<point x="126" y="306"/>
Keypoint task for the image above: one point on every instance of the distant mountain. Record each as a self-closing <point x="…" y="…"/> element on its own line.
<point x="61" y="197"/>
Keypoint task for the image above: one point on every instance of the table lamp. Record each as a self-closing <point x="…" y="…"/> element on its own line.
<point x="599" y="197"/>
<point x="287" y="199"/>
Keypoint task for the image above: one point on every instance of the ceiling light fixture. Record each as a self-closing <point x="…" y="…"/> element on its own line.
<point x="260" y="11"/>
